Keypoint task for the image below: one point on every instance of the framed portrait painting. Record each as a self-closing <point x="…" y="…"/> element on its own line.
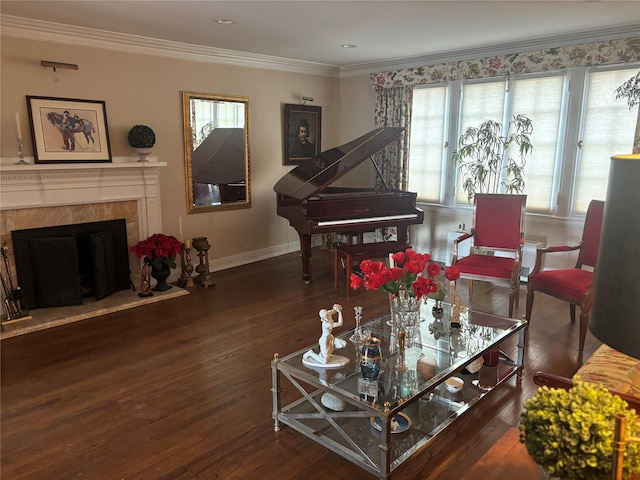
<point x="302" y="133"/>
<point x="66" y="130"/>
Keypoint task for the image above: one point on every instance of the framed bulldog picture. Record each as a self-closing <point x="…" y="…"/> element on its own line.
<point x="66" y="130"/>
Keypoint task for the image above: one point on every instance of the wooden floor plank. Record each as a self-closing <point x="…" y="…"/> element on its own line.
<point x="180" y="389"/>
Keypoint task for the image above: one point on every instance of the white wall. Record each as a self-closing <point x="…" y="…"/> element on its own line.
<point x="146" y="89"/>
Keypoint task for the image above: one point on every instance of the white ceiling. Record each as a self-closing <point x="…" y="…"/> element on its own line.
<point x="313" y="31"/>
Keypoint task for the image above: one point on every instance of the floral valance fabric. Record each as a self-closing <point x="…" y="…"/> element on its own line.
<point x="586" y="55"/>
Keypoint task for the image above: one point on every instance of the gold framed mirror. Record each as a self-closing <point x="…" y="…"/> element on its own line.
<point x="216" y="151"/>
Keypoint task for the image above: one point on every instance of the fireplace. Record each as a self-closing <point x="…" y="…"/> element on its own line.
<point x="43" y="195"/>
<point x="61" y="265"/>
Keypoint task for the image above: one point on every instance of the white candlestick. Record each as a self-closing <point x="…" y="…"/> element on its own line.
<point x="180" y="227"/>
<point x="18" y="129"/>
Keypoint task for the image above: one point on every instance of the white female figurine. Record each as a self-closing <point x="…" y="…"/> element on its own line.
<point x="328" y="342"/>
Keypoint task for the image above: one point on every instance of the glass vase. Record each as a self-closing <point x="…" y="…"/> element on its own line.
<point x="405" y="316"/>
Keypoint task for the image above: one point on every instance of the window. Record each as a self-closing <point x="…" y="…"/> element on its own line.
<point x="578" y="124"/>
<point x="608" y="129"/>
<point x="428" y="120"/>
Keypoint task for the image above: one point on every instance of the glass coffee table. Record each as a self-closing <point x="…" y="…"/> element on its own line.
<point x="380" y="424"/>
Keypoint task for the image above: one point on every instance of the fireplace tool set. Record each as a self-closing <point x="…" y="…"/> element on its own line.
<point x="12" y="296"/>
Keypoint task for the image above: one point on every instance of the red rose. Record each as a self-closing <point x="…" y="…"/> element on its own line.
<point x="398" y="258"/>
<point x="433" y="269"/>
<point x="356" y="281"/>
<point x="394" y="274"/>
<point x="413" y="267"/>
<point x="452" y="273"/>
<point x="424" y="285"/>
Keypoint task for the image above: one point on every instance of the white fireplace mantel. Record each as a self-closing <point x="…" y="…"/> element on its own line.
<point x="44" y="185"/>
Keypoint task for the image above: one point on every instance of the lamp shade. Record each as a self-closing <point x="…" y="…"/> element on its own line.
<point x="615" y="316"/>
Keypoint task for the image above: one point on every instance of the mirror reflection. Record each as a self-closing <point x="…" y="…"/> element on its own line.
<point x="216" y="151"/>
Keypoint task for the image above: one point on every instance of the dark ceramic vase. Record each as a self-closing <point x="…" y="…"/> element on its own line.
<point x="371" y="358"/>
<point x="437" y="311"/>
<point x="161" y="278"/>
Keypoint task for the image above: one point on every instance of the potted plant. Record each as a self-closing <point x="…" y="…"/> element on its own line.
<point x="484" y="159"/>
<point x="159" y="253"/>
<point x="631" y="91"/>
<point x="142" y="139"/>
<point x="569" y="433"/>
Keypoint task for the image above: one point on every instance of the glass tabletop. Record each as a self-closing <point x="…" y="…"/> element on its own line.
<point x="437" y="352"/>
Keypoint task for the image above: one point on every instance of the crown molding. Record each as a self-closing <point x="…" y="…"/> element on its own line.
<point x="73" y="35"/>
<point x="60" y="33"/>
<point x="612" y="33"/>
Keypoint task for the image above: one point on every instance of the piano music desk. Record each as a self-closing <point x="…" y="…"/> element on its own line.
<point x="349" y="253"/>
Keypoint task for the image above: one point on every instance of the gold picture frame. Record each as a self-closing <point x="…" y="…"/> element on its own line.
<point x="302" y="133"/>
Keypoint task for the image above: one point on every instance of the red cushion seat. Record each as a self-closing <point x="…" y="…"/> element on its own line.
<point x="568" y="282"/>
<point x="486" y="266"/>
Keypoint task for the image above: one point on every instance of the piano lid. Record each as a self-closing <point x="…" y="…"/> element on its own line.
<point x="220" y="158"/>
<point x="313" y="175"/>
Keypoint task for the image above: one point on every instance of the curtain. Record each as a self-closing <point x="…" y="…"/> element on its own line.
<point x="585" y="55"/>
<point x="393" y="109"/>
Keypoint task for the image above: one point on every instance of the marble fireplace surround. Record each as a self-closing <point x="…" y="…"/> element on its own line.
<point x="41" y="195"/>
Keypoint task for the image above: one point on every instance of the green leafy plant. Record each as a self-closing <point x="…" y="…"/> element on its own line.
<point x="484" y="159"/>
<point x="630" y="90"/>
<point x="569" y="433"/>
<point x="141" y="136"/>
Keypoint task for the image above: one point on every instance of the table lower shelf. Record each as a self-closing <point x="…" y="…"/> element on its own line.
<point x="350" y="433"/>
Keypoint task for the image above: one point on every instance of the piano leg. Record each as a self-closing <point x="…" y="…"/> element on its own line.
<point x="402" y="234"/>
<point x="305" y="247"/>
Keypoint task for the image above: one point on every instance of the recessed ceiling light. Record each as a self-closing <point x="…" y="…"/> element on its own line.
<point x="348" y="45"/>
<point x="225" y="21"/>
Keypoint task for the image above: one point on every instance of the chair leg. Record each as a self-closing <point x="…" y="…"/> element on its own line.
<point x="349" y="268"/>
<point x="572" y="312"/>
<point x="530" y="296"/>
<point x="584" y="323"/>
<point x="512" y="297"/>
<point x="336" y="267"/>
<point x="470" y="285"/>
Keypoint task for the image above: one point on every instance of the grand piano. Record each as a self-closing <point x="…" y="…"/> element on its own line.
<point x="306" y="198"/>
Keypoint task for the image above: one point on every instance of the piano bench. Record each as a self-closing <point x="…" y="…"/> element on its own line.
<point x="361" y="251"/>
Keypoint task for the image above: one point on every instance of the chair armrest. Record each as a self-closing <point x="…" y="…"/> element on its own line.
<point x="555" y="381"/>
<point x="551" y="249"/>
<point x="552" y="381"/>
<point x="461" y="238"/>
<point x="558" y="248"/>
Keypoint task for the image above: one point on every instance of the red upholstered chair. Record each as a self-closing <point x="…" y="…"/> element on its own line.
<point x="572" y="285"/>
<point x="497" y="236"/>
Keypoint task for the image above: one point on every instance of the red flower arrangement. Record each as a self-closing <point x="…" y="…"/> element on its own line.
<point x="158" y="250"/>
<point x="405" y="275"/>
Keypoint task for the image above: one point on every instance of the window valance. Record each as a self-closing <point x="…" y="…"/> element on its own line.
<point x="585" y="55"/>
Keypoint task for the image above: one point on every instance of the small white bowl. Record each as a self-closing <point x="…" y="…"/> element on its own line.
<point x="454" y="384"/>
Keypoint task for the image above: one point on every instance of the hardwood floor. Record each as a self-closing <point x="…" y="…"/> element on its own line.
<point x="181" y="389"/>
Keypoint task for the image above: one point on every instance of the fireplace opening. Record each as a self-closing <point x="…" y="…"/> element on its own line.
<point x="62" y="265"/>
